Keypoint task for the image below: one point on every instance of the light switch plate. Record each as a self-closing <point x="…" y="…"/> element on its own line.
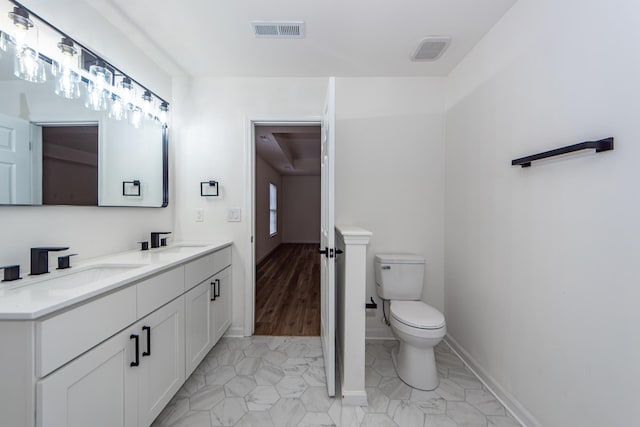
<point x="199" y="215"/>
<point x="233" y="215"/>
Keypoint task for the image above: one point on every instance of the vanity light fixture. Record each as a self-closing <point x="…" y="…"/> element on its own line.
<point x="65" y="71"/>
<point x="26" y="64"/>
<point x="76" y="65"/>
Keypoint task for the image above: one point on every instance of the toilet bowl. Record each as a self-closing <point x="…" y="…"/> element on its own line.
<point x="417" y="326"/>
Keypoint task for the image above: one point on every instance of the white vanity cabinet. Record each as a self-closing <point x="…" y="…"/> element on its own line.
<point x="125" y="381"/>
<point x="117" y="358"/>
<point x="220" y="304"/>
<point x="208" y="305"/>
<point x="198" y="314"/>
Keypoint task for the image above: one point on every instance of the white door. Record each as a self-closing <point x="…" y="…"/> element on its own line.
<point x="15" y="161"/>
<point x="327" y="242"/>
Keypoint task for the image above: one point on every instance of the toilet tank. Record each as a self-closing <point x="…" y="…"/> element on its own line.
<point x="399" y="276"/>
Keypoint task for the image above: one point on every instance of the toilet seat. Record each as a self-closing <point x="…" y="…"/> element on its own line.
<point x="417" y="314"/>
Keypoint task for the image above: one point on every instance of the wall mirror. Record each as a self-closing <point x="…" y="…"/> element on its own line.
<point x="74" y="130"/>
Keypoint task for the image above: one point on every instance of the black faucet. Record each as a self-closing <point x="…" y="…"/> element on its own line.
<point x="155" y="238"/>
<point x="40" y="259"/>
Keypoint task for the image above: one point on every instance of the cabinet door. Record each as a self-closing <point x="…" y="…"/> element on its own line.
<point x="97" y="389"/>
<point x="198" y="325"/>
<point x="221" y="310"/>
<point x="161" y="359"/>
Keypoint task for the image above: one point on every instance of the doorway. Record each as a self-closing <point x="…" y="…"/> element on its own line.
<point x="287" y="213"/>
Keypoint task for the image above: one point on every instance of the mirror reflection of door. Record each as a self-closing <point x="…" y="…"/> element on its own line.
<point x="15" y="161"/>
<point x="70" y="165"/>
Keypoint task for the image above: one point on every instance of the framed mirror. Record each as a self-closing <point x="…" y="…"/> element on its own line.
<point x="61" y="149"/>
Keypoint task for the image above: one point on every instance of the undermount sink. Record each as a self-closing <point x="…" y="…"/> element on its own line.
<point x="78" y="277"/>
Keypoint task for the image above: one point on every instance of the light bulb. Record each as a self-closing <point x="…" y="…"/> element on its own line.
<point x="22" y="24"/>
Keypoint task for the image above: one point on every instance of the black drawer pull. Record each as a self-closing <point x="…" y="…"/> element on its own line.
<point x="137" y="338"/>
<point x="148" y="352"/>
<point x="218" y="291"/>
<point x="213" y="290"/>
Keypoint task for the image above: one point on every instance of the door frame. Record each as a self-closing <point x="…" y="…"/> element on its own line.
<point x="250" y="146"/>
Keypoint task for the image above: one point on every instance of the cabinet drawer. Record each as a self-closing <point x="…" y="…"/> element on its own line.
<point x="159" y="290"/>
<point x="207" y="266"/>
<point x="65" y="336"/>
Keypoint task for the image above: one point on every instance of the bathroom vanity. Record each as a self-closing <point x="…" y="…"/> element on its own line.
<point x="109" y="342"/>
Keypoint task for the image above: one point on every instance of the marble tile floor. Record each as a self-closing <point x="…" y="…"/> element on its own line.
<point x="280" y="381"/>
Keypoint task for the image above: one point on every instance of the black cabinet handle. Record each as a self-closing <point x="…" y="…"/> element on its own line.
<point x="324" y="252"/>
<point x="218" y="291"/>
<point x="148" y="352"/>
<point x="137" y="338"/>
<point x="213" y="290"/>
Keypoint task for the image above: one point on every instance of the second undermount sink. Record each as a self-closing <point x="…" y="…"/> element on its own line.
<point x="80" y="276"/>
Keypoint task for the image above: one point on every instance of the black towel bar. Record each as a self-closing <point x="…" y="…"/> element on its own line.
<point x="601" y="145"/>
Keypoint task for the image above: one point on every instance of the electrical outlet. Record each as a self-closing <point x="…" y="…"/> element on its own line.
<point x="199" y="215"/>
<point x="233" y="215"/>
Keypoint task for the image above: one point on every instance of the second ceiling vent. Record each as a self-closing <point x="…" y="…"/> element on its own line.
<point x="278" y="30"/>
<point x="431" y="48"/>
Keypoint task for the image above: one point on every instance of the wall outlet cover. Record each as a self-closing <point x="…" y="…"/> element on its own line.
<point x="199" y="215"/>
<point x="233" y="215"/>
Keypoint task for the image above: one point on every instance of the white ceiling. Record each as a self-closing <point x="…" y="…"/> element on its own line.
<point x="290" y="150"/>
<point x="343" y="38"/>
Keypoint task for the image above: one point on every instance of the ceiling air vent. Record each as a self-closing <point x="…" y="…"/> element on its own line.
<point x="278" y="30"/>
<point x="431" y="48"/>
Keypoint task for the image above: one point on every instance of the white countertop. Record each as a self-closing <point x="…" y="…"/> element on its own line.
<point x="36" y="296"/>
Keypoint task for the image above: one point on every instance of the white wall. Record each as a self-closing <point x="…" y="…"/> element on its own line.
<point x="265" y="242"/>
<point x="541" y="263"/>
<point x="211" y="119"/>
<point x="90" y="231"/>
<point x="301" y="209"/>
<point x="390" y="173"/>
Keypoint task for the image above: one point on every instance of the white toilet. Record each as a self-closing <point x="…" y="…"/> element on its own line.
<point x="418" y="326"/>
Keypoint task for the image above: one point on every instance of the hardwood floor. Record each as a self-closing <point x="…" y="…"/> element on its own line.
<point x="288" y="292"/>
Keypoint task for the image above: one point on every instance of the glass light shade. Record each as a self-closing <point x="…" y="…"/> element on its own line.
<point x="117" y="110"/>
<point x="28" y="66"/>
<point x="21" y="23"/>
<point x="101" y="77"/>
<point x="99" y="88"/>
<point x="135" y="117"/>
<point x="147" y="105"/>
<point x="163" y="114"/>
<point x="67" y="81"/>
<point x="3" y="41"/>
<point x="128" y="92"/>
<point x="96" y="99"/>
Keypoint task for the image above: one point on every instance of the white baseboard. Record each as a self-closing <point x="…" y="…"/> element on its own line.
<point x="511" y="404"/>
<point x="235" y="332"/>
<point x="379" y="333"/>
<point x="354" y="398"/>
